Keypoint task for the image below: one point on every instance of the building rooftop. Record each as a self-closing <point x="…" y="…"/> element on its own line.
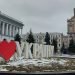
<point x="49" y="33"/>
<point x="11" y="18"/>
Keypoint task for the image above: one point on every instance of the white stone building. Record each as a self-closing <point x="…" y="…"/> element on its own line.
<point x="9" y="27"/>
<point x="39" y="38"/>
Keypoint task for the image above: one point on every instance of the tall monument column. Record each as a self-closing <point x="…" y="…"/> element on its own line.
<point x="14" y="31"/>
<point x="18" y="30"/>
<point x="0" y="28"/>
<point x="7" y="29"/>
<point x="3" y="25"/>
<point x="21" y="31"/>
<point x="10" y="30"/>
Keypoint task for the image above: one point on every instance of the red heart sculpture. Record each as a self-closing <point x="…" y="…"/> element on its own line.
<point x="7" y="49"/>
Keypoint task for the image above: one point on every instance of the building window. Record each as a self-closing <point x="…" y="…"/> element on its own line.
<point x="59" y="40"/>
<point x="51" y="40"/>
<point x="70" y="35"/>
<point x="51" y="37"/>
<point x="37" y="36"/>
<point x="70" y="25"/>
<point x="59" y="35"/>
<point x="37" y="40"/>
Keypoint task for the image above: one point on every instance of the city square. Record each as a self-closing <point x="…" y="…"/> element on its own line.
<point x="37" y="36"/>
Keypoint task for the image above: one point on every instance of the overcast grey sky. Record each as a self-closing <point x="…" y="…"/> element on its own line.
<point x="40" y="15"/>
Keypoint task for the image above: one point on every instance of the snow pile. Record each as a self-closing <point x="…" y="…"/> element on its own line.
<point x="1" y="69"/>
<point x="62" y="62"/>
<point x="36" y="62"/>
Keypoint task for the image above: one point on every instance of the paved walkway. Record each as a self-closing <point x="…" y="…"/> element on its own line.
<point x="64" y="56"/>
<point x="49" y="73"/>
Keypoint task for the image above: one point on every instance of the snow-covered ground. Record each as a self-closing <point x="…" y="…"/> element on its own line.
<point x="54" y="59"/>
<point x="51" y="64"/>
<point x="33" y="62"/>
<point x="36" y="62"/>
